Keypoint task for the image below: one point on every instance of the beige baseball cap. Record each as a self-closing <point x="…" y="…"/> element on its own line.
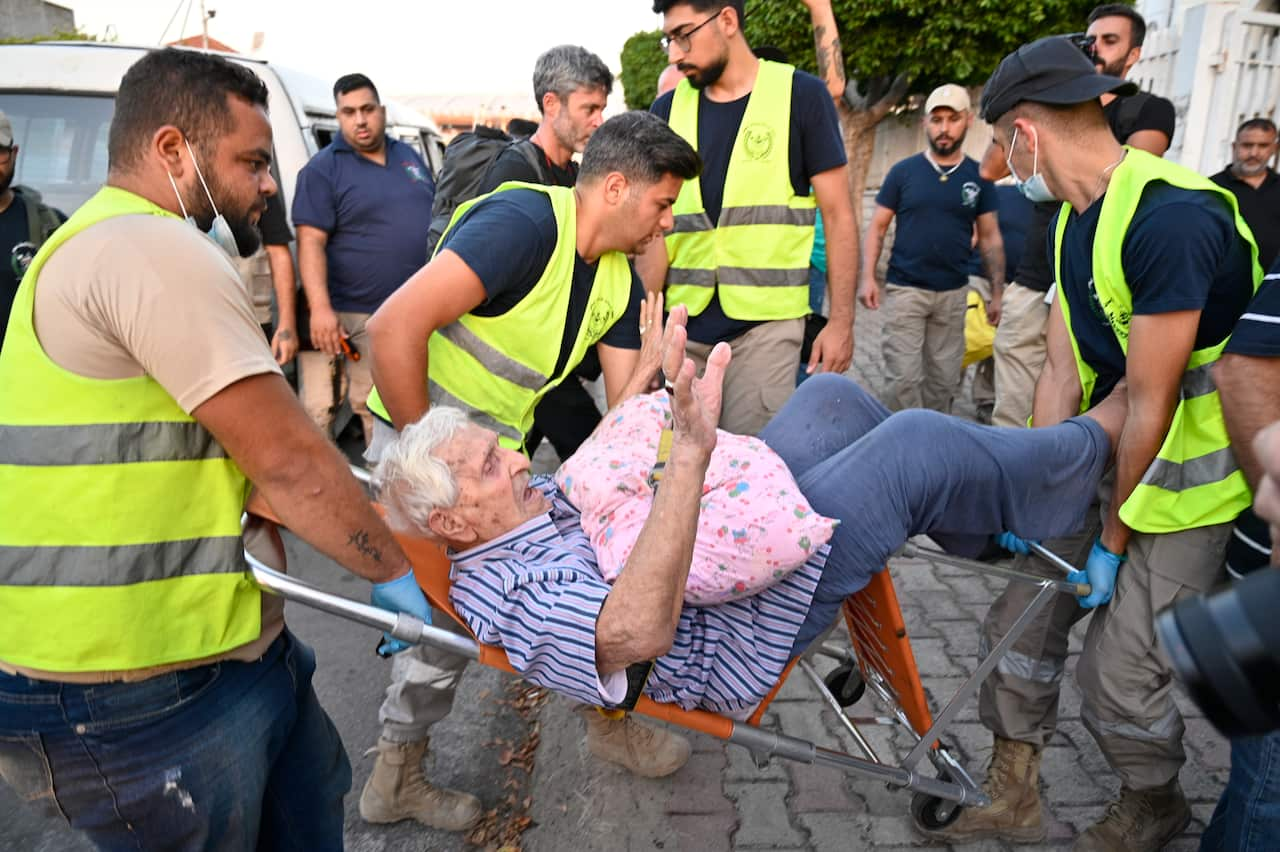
<point x="951" y="96"/>
<point x="6" y="131"/>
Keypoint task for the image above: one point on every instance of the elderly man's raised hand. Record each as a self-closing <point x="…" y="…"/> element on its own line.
<point x="695" y="402"/>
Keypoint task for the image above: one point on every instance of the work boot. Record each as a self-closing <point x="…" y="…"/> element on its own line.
<point x="397" y="790"/>
<point x="1139" y="821"/>
<point x="1013" y="785"/>
<point x="643" y="749"/>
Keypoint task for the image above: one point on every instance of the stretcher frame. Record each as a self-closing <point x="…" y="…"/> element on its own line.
<point x="879" y="659"/>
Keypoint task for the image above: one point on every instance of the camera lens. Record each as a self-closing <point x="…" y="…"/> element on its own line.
<point x="1226" y="648"/>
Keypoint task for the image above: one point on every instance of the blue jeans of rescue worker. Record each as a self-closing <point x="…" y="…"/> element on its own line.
<point x="227" y="756"/>
<point x="1247" y="818"/>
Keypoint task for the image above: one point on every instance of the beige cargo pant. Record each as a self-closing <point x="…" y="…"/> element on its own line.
<point x="761" y="376"/>
<point x="1124" y="679"/>
<point x="320" y="373"/>
<point x="923" y="342"/>
<point x="1019" y="354"/>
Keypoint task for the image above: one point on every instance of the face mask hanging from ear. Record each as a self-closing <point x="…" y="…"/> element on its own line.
<point x="219" y="232"/>
<point x="1034" y="188"/>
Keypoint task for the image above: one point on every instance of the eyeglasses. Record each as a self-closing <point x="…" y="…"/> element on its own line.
<point x="682" y="40"/>
<point x="6" y="154"/>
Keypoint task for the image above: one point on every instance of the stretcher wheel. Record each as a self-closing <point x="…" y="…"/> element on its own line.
<point x="926" y="810"/>
<point x="846" y="684"/>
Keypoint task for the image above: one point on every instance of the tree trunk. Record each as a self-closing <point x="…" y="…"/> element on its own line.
<point x="860" y="115"/>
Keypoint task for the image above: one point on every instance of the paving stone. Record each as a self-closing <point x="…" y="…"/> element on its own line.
<point x="762" y="815"/>
<point x="821" y="788"/>
<point x="698" y="788"/>
<point x="914" y="575"/>
<point x="836" y="831"/>
<point x="1068" y="781"/>
<point x="931" y="658"/>
<point x="940" y="690"/>
<point x="702" y="833"/>
<point x="1209" y="746"/>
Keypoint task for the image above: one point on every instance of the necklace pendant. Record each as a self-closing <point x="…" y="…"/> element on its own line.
<point x="942" y="178"/>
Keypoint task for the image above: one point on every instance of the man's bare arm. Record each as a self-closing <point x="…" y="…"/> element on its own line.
<point x="1151" y="141"/>
<point x="1159" y="346"/>
<point x="639" y="617"/>
<point x="435" y="296"/>
<point x="304" y="477"/>
<point x="617" y="366"/>
<point x="1058" y="391"/>
<point x="652" y="266"/>
<point x="833" y="348"/>
<point x="991" y="248"/>
<point x="284" y="343"/>
<point x="826" y="44"/>
<point x="313" y="268"/>
<point x="872" y="245"/>
<point x="1247" y="385"/>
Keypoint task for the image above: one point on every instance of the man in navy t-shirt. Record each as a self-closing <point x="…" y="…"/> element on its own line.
<point x="362" y="208"/>
<point x="938" y="198"/>
<point x="704" y="40"/>
<point x="1248" y="375"/>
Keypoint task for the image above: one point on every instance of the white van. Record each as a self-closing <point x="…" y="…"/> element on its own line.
<point x="60" y="97"/>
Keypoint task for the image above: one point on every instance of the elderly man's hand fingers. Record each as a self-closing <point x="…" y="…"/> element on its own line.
<point x="673" y="350"/>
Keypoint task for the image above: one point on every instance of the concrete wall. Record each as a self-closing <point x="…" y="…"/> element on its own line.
<point x="32" y="18"/>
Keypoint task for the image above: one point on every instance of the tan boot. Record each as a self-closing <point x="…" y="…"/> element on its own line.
<point x="1139" y="821"/>
<point x="643" y="749"/>
<point x="397" y="790"/>
<point x="1013" y="783"/>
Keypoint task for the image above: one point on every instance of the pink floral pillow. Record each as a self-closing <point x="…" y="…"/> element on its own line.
<point x="754" y="528"/>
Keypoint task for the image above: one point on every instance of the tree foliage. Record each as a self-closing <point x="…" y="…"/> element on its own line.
<point x="929" y="41"/>
<point x="642" y="61"/>
<point x="57" y="35"/>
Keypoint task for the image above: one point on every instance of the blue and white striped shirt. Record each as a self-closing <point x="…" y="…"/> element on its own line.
<point x="537" y="592"/>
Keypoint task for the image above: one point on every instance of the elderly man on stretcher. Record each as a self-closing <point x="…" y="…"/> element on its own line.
<point x="698" y="579"/>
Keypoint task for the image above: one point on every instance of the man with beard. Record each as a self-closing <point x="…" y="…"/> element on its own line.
<point x="738" y="257"/>
<point x="1255" y="184"/>
<point x="25" y="223"/>
<point x="571" y="85"/>
<point x="362" y="210"/>
<point x="1142" y="119"/>
<point x="150" y="694"/>
<point x="938" y="198"/>
<point x="491" y="332"/>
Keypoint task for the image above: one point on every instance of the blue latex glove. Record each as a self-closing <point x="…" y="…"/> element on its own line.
<point x="1100" y="573"/>
<point x="1013" y="544"/>
<point x="399" y="595"/>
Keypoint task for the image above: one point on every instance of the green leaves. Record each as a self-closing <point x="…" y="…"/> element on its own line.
<point x="642" y="61"/>
<point x="930" y="41"/>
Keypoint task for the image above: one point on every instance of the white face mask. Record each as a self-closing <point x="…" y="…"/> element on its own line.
<point x="1034" y="188"/>
<point x="219" y="232"/>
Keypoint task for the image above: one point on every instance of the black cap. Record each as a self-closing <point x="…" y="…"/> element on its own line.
<point x="1048" y="71"/>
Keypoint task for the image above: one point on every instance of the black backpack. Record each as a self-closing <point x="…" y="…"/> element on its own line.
<point x="466" y="162"/>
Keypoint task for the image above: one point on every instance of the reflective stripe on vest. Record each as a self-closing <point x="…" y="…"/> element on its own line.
<point x="757" y="255"/>
<point x="120" y="539"/>
<point x="498" y="368"/>
<point x="1194" y="480"/>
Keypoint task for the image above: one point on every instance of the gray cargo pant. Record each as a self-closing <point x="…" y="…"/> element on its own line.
<point x="1125" y="681"/>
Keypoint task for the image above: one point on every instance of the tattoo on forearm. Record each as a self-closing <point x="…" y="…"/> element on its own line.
<point x="994" y="262"/>
<point x="824" y="58"/>
<point x="285" y="334"/>
<point x="360" y="540"/>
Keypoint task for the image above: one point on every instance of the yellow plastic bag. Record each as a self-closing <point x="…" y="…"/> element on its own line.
<point x="979" y="334"/>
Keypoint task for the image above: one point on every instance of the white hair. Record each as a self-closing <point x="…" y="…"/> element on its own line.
<point x="411" y="481"/>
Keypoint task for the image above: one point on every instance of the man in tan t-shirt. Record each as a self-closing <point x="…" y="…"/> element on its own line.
<point x="229" y="749"/>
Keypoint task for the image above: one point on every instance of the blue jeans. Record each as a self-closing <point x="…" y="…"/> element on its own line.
<point x="1247" y="818"/>
<point x="890" y="477"/>
<point x="233" y="756"/>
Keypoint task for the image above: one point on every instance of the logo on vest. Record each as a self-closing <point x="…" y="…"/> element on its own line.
<point x="414" y="171"/>
<point x="969" y="194"/>
<point x="599" y="318"/>
<point x="757" y="141"/>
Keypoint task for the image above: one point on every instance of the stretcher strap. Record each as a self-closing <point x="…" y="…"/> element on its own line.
<point x="660" y="464"/>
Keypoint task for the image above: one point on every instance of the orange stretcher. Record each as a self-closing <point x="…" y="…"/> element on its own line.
<point x="878" y="660"/>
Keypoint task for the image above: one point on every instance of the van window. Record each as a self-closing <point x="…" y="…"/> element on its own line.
<point x="63" y="144"/>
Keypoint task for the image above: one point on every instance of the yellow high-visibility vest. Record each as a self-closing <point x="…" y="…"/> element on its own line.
<point x="120" y="515"/>
<point x="1194" y="480"/>
<point x="498" y="368"/>
<point x="757" y="253"/>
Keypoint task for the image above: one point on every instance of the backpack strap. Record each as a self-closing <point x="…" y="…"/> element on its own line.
<point x="535" y="158"/>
